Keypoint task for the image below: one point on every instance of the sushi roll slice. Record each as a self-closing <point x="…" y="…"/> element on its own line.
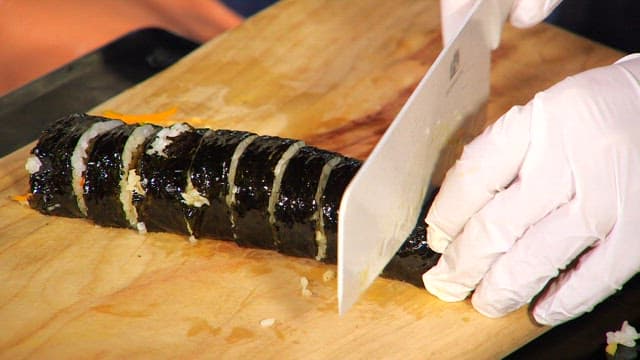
<point x="257" y="177"/>
<point x="81" y="153"/>
<point x="106" y="185"/>
<point x="130" y="182"/>
<point x="209" y="176"/>
<point x="296" y="210"/>
<point x="56" y="164"/>
<point x="101" y="188"/>
<point x="163" y="171"/>
<point x="339" y="177"/>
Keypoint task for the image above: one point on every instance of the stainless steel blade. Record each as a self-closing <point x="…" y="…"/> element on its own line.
<point x="381" y="205"/>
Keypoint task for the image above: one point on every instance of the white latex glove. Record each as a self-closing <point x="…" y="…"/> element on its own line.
<point x="524" y="13"/>
<point x="551" y="183"/>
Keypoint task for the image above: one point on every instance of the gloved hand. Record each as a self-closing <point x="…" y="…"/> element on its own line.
<point x="553" y="185"/>
<point x="524" y="13"/>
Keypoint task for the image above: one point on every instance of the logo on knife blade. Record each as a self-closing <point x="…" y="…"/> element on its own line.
<point x="455" y="64"/>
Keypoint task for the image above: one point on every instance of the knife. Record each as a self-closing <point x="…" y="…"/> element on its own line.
<point x="381" y="205"/>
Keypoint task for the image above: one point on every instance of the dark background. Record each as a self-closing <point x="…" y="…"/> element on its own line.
<point x="615" y="23"/>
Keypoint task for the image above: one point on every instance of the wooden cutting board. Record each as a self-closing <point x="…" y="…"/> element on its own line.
<point x="331" y="72"/>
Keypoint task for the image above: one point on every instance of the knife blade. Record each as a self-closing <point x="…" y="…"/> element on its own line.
<point x="381" y="205"/>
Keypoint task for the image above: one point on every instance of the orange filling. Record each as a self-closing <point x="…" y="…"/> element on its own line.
<point x="161" y="118"/>
<point x="22" y="199"/>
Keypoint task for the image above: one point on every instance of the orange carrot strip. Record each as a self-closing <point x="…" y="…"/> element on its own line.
<point x="22" y="199"/>
<point x="161" y="118"/>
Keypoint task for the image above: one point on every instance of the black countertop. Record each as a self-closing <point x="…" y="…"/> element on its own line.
<point x="94" y="78"/>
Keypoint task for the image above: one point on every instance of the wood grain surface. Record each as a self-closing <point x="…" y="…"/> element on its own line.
<point x="333" y="73"/>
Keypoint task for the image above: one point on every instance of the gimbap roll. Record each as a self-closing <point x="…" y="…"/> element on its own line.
<point x="260" y="191"/>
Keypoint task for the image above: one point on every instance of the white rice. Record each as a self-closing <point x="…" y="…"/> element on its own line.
<point x="192" y="197"/>
<point x="328" y="275"/>
<point x="141" y="227"/>
<point x="53" y="207"/>
<point x="79" y="158"/>
<point x="267" y="322"/>
<point x="164" y="138"/>
<point x="130" y="182"/>
<point x="134" y="183"/>
<point x="304" y="287"/>
<point x="33" y="164"/>
<point x="321" y="237"/>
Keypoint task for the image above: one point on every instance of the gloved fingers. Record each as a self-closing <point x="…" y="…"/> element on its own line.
<point x="526" y="13"/>
<point x="599" y="273"/>
<point x="487" y="165"/>
<point x="492" y="232"/>
<point x="604" y="269"/>
<point x="632" y="64"/>
<point x="547" y="247"/>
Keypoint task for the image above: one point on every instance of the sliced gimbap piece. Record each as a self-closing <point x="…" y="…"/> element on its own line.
<point x="101" y="185"/>
<point x="296" y="210"/>
<point x="210" y="172"/>
<point x="256" y="179"/>
<point x="57" y="160"/>
<point x="163" y="171"/>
